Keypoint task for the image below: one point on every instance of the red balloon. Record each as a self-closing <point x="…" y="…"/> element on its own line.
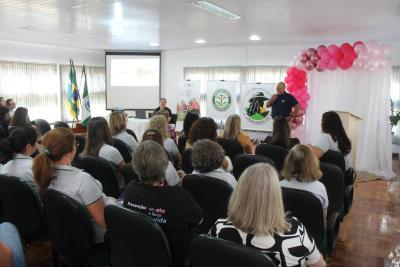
<point x="358" y="43"/>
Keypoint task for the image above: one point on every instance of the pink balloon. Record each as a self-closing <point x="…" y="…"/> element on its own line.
<point x="304" y="58"/>
<point x="333" y="64"/>
<point x="322" y="50"/>
<point x="321" y="66"/>
<point x="360" y="49"/>
<point x="333" y="50"/>
<point x="314" y="59"/>
<point x="326" y="58"/>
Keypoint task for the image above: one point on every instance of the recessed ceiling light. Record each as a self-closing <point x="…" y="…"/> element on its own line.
<point x="154" y="44"/>
<point x="200" y="41"/>
<point x="254" y="37"/>
<point x="213" y="9"/>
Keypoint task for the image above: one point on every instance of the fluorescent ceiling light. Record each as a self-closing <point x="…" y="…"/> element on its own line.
<point x="200" y="41"/>
<point x="213" y="9"/>
<point x="47" y="31"/>
<point x="254" y="37"/>
<point x="154" y="44"/>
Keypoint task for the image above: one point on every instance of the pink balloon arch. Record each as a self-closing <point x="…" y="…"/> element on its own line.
<point x="368" y="56"/>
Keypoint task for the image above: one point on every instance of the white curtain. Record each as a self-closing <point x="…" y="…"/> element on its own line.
<point x="363" y="93"/>
<point x="395" y="96"/>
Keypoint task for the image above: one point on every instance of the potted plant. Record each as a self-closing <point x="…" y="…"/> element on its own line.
<point x="394" y="117"/>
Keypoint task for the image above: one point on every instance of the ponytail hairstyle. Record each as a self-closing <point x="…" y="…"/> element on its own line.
<point x="56" y="143"/>
<point x="19" y="138"/>
<point x="332" y="125"/>
<point x="98" y="134"/>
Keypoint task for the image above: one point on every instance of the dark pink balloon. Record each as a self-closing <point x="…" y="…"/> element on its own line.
<point x="304" y="58"/>
<point x="311" y="52"/>
<point x="309" y="66"/>
<point x="321" y="66"/>
<point x="358" y="43"/>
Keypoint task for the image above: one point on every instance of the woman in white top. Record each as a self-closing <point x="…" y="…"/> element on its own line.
<point x="99" y="143"/>
<point x="333" y="137"/>
<point x="118" y="130"/>
<point x="159" y="122"/>
<point x="208" y="158"/>
<point x="16" y="150"/>
<point x="256" y="218"/>
<point x="52" y="169"/>
<point x="301" y="171"/>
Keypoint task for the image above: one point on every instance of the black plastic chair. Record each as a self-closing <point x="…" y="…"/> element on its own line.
<point x="232" y="148"/>
<point x="336" y="158"/>
<point x="103" y="171"/>
<point x="333" y="180"/>
<point x="211" y="194"/>
<point x="243" y="161"/>
<point x="187" y="161"/>
<point x="129" y="131"/>
<point x="276" y="153"/>
<point x="42" y="126"/>
<point x="123" y="149"/>
<point x="135" y="239"/>
<point x="308" y="209"/>
<point x="129" y="174"/>
<point x="174" y="117"/>
<point x="71" y="231"/>
<point x="182" y="143"/>
<point x="21" y="206"/>
<point x="215" y="252"/>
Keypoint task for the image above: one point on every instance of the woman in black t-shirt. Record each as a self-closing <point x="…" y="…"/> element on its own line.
<point x="173" y="208"/>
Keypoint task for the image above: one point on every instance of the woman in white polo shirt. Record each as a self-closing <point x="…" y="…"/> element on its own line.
<point x="99" y="143"/>
<point x="52" y="169"/>
<point x="118" y="130"/>
<point x="16" y="150"/>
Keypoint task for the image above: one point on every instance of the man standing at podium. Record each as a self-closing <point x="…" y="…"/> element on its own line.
<point x="283" y="104"/>
<point x="163" y="106"/>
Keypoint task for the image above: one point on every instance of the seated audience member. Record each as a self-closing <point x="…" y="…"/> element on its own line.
<point x="12" y="105"/>
<point x="159" y="122"/>
<point x="172" y="176"/>
<point x="281" y="134"/>
<point x="52" y="170"/>
<point x="173" y="208"/>
<point x="163" y="106"/>
<point x="301" y="171"/>
<point x="333" y="137"/>
<point x="171" y="130"/>
<point x="11" y="250"/>
<point x="190" y="118"/>
<point x="207" y="159"/>
<point x="99" y="143"/>
<point x="256" y="218"/>
<point x="61" y="124"/>
<point x="206" y="128"/>
<point x="118" y="130"/>
<point x="20" y="118"/>
<point x="4" y="121"/>
<point x="16" y="151"/>
<point x="2" y="102"/>
<point x="233" y="130"/>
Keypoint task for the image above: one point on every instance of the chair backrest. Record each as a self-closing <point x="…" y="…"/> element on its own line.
<point x="81" y="146"/>
<point x="103" y="171"/>
<point x="333" y="179"/>
<point x="187" y="160"/>
<point x="129" y="131"/>
<point x="232" y="147"/>
<point x="211" y="194"/>
<point x="71" y="230"/>
<point x="42" y="126"/>
<point x="129" y="174"/>
<point x="335" y="158"/>
<point x="308" y="209"/>
<point x="182" y="143"/>
<point x="215" y="252"/>
<point x="135" y="239"/>
<point x="243" y="161"/>
<point x="276" y="153"/>
<point x="21" y="206"/>
<point x="174" y="117"/>
<point x="123" y="149"/>
<point x="140" y="114"/>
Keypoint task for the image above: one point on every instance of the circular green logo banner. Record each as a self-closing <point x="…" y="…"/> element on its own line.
<point x="221" y="99"/>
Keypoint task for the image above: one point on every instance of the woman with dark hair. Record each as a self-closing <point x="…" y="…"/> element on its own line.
<point x="52" y="170"/>
<point x="2" y="102"/>
<point x="333" y="137"/>
<point x="99" y="143"/>
<point x="281" y="134"/>
<point x="16" y="151"/>
<point x="190" y="118"/>
<point x="203" y="128"/>
<point x="20" y="118"/>
<point x="4" y="121"/>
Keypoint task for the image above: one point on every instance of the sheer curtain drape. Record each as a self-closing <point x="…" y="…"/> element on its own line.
<point x="363" y="93"/>
<point x="32" y="85"/>
<point x="395" y="96"/>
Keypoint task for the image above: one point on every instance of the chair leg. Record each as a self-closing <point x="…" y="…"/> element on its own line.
<point x="54" y="257"/>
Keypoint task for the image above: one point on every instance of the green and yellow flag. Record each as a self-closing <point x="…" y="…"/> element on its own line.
<point x="72" y="100"/>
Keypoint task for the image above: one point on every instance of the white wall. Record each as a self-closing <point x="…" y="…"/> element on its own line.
<point x="174" y="61"/>
<point x="26" y="52"/>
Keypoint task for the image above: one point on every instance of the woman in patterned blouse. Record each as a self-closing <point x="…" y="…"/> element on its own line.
<point x="256" y="218"/>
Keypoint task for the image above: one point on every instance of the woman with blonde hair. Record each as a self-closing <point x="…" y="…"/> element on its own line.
<point x="233" y="130"/>
<point x="256" y="218"/>
<point x="52" y="169"/>
<point x="159" y="122"/>
<point x="118" y="129"/>
<point x="301" y="171"/>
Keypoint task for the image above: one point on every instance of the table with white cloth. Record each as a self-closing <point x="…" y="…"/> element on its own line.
<point x="139" y="126"/>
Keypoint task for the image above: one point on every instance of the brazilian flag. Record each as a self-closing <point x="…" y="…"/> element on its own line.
<point x="72" y="100"/>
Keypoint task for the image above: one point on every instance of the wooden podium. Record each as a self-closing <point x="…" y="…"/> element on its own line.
<point x="350" y="123"/>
